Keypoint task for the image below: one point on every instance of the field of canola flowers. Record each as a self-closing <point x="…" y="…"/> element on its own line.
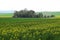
<point x="29" y="29"/>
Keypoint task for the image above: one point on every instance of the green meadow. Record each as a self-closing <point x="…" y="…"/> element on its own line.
<point x="6" y="14"/>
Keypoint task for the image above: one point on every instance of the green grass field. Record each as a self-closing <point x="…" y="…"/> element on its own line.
<point x="29" y="29"/>
<point x="6" y="15"/>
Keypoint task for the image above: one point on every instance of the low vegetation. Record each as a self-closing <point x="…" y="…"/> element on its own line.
<point x="29" y="29"/>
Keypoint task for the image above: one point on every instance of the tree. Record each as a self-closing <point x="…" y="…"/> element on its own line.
<point x="52" y="15"/>
<point x="48" y="16"/>
<point x="15" y="14"/>
<point x="45" y="16"/>
<point x="40" y="15"/>
<point x="27" y="14"/>
<point x="31" y="14"/>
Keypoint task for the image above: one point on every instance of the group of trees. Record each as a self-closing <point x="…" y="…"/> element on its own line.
<point x="29" y="14"/>
<point x="49" y="16"/>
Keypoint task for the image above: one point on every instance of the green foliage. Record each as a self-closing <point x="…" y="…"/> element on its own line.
<point x="29" y="29"/>
<point x="27" y="14"/>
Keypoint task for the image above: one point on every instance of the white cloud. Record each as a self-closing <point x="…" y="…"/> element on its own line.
<point x="37" y="5"/>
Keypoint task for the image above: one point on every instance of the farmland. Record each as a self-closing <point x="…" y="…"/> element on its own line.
<point x="29" y="29"/>
<point x="6" y="15"/>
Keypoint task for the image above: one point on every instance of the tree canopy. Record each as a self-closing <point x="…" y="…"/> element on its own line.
<point x="27" y="14"/>
<point x="30" y="14"/>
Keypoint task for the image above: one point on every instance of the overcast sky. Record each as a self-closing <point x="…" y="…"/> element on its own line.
<point x="36" y="5"/>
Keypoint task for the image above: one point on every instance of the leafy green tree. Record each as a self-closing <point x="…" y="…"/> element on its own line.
<point x="40" y="15"/>
<point x="27" y="14"/>
<point x="52" y="15"/>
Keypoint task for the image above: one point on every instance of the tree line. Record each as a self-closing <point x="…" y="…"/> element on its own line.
<point x="29" y="14"/>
